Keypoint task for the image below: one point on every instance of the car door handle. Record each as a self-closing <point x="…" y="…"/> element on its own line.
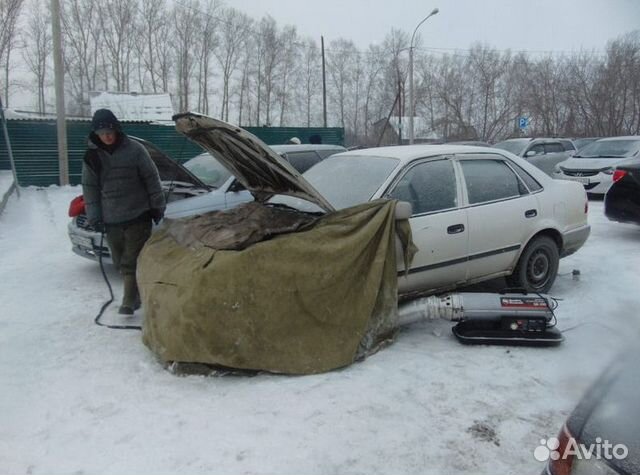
<point x="530" y="213"/>
<point x="455" y="229"/>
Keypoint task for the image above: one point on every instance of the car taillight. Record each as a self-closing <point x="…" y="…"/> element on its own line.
<point x="76" y="207"/>
<point x="561" y="464"/>
<point x="618" y="174"/>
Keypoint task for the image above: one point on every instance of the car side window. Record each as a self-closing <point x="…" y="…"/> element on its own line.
<point x="428" y="186"/>
<point x="553" y="147"/>
<point x="538" y="149"/>
<point x="490" y="180"/>
<point x="302" y="161"/>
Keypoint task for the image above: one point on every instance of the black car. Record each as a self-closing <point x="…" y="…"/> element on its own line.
<point x="602" y="435"/>
<point x="622" y="201"/>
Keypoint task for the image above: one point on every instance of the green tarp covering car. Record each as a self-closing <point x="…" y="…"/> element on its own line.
<point x="263" y="287"/>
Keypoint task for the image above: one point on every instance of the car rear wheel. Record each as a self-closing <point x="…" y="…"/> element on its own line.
<point x="538" y="266"/>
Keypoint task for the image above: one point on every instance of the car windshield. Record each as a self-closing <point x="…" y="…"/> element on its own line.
<point x="208" y="169"/>
<point x="516" y="146"/>
<point x="581" y="143"/>
<point x="610" y="149"/>
<point x="345" y="181"/>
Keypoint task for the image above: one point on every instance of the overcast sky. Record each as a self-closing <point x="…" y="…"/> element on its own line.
<point x="539" y="25"/>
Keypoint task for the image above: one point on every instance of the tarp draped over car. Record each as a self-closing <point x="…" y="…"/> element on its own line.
<point x="315" y="298"/>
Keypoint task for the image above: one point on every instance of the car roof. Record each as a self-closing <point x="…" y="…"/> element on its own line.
<point x="407" y="153"/>
<point x="305" y="147"/>
<point x="622" y="137"/>
<point x="531" y="139"/>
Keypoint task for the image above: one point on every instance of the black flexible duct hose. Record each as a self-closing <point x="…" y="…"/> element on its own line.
<point x="108" y="302"/>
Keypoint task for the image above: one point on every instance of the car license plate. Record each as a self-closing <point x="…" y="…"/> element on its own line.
<point x="82" y="241"/>
<point x="579" y="179"/>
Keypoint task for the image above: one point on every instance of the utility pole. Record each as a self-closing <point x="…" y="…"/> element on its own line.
<point x="63" y="161"/>
<point x="324" y="86"/>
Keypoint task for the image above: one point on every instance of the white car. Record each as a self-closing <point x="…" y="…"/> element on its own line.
<point x="478" y="213"/>
<point x="199" y="185"/>
<point x="593" y="166"/>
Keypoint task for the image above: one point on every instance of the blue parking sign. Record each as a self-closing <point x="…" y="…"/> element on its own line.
<point x="523" y="122"/>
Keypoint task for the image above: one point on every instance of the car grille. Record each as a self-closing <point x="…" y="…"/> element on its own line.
<point x="580" y="172"/>
<point x="83" y="222"/>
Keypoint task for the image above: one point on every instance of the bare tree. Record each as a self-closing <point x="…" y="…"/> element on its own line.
<point x="234" y="27"/>
<point x="118" y="19"/>
<point x="187" y="23"/>
<point x="342" y="55"/>
<point x="208" y="42"/>
<point x="81" y="52"/>
<point x="270" y="57"/>
<point x="9" y="14"/>
<point x="154" y="29"/>
<point x="290" y="57"/>
<point x="310" y="77"/>
<point x="248" y="59"/>
<point x="38" y="49"/>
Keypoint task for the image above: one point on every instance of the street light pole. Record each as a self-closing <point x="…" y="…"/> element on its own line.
<point x="411" y="102"/>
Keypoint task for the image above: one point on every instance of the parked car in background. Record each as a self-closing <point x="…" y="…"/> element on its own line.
<point x="478" y="213"/>
<point x="582" y="142"/>
<point x="594" y="165"/>
<point x="602" y="435"/>
<point x="199" y="185"/>
<point x="544" y="153"/>
<point x="475" y="143"/>
<point x="530" y="147"/>
<point x="622" y="201"/>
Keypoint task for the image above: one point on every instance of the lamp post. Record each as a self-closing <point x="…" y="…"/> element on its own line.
<point x="411" y="104"/>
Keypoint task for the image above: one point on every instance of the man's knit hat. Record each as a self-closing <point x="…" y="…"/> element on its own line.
<point x="104" y="121"/>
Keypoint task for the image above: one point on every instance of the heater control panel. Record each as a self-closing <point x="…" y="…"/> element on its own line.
<point x="529" y="324"/>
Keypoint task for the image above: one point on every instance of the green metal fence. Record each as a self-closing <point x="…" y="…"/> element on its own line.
<point x="35" y="148"/>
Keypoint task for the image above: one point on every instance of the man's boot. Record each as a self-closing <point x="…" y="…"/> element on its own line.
<point x="130" y="295"/>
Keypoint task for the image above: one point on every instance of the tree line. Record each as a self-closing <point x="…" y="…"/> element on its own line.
<point x="216" y="60"/>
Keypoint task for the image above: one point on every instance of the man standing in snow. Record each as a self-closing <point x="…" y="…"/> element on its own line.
<point x="122" y="194"/>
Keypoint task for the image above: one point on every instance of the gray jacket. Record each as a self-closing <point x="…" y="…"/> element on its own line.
<point x="121" y="186"/>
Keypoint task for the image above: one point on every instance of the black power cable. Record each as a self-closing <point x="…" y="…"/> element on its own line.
<point x="108" y="302"/>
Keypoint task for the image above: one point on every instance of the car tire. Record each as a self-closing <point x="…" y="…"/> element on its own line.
<point x="538" y="266"/>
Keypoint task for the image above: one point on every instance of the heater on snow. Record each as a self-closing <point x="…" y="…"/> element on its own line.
<point x="489" y="318"/>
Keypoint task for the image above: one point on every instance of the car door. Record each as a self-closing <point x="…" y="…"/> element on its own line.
<point x="438" y="225"/>
<point x="501" y="213"/>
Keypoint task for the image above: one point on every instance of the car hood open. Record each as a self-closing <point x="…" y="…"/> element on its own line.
<point x="260" y="170"/>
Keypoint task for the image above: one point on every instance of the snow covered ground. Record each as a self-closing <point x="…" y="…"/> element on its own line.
<point x="78" y="398"/>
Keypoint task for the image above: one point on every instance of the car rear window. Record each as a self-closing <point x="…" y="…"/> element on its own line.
<point x="531" y="182"/>
<point x="302" y="161"/>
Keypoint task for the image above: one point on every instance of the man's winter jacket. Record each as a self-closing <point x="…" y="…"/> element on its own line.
<point x="121" y="183"/>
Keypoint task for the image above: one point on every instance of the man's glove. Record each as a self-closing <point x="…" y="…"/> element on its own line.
<point x="156" y="214"/>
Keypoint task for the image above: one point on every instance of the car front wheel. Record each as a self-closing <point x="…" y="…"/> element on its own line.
<point x="538" y="266"/>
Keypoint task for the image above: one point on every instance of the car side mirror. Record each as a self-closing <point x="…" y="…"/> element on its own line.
<point x="530" y="153"/>
<point x="404" y="210"/>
